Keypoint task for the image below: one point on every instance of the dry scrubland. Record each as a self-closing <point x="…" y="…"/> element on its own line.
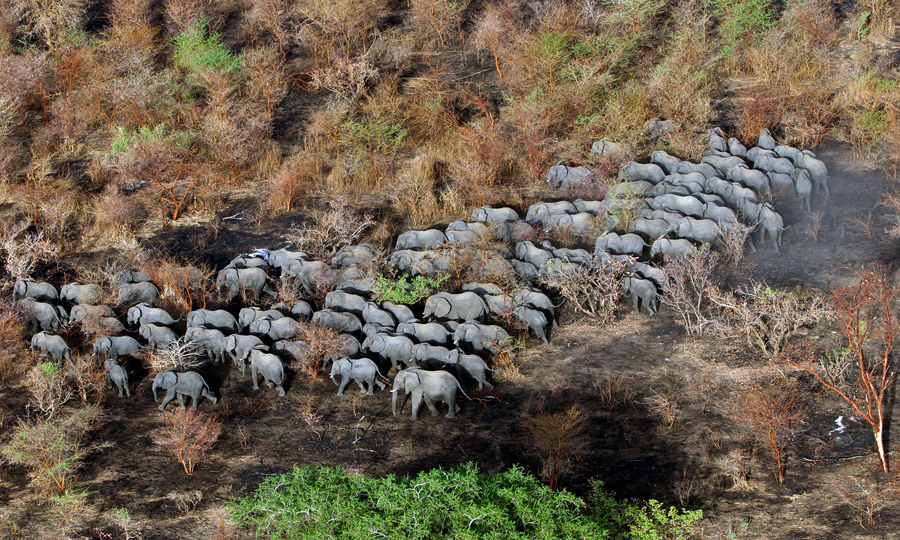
<point x="136" y="132"/>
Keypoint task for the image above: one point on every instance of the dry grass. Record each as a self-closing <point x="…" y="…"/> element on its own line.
<point x="13" y="340"/>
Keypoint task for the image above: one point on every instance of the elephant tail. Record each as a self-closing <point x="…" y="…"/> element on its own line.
<point x="458" y="385"/>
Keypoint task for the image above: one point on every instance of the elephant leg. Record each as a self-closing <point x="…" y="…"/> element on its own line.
<point x="553" y="324"/>
<point x="362" y="388"/>
<point x="416" y="402"/>
<point x="430" y="404"/>
<point x="539" y="332"/>
<point x="634" y="303"/>
<point x="181" y="401"/>
<point x="345" y="380"/>
<point x="127" y="390"/>
<point x="254" y="374"/>
<point x="269" y="383"/>
<point x="380" y="384"/>
<point x="208" y="396"/>
<point x="451" y="403"/>
<point x="170" y="395"/>
<point x="109" y="382"/>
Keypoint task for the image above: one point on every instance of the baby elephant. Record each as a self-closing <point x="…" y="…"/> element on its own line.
<point x="116" y="374"/>
<point x="362" y="370"/>
<point x="642" y="291"/>
<point x="53" y="345"/>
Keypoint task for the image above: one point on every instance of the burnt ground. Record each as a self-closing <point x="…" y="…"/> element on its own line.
<point x="613" y="372"/>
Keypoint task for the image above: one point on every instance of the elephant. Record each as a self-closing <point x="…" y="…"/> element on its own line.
<point x="116" y="374"/>
<point x="361" y="370"/>
<point x="354" y="255"/>
<point x="717" y="186"/>
<point x="724" y="164"/>
<point x="768" y="222"/>
<point x="80" y="294"/>
<point x="433" y="333"/>
<point x="424" y="351"/>
<point x="43" y="316"/>
<point x="282" y="258"/>
<point x="707" y="170"/>
<point x="767" y="163"/>
<point x="566" y="178"/>
<point x="579" y="223"/>
<point x="461" y="225"/>
<point x="646" y="271"/>
<point x="781" y="182"/>
<point x="157" y="336"/>
<point x="373" y="328"/>
<point x="239" y="346"/>
<point x="716" y="140"/>
<point x="218" y="319"/>
<point x="298" y="350"/>
<point x="373" y="314"/>
<point x="428" y="239"/>
<point x="397" y="348"/>
<point x="735" y="194"/>
<point x="144" y="314"/>
<point x="662" y="214"/>
<point x="486" y="214"/>
<point x="534" y="319"/>
<point x="270" y="367"/>
<point x="400" y="312"/>
<point x="652" y="228"/>
<point x="641" y="291"/>
<point x="525" y="270"/>
<point x="613" y="150"/>
<point x="513" y="231"/>
<point x="209" y="341"/>
<point x="537" y="300"/>
<point x="625" y="244"/>
<point x="648" y="172"/>
<point x="671" y="249"/>
<point x="39" y="291"/>
<point x="277" y="329"/>
<point x="116" y="346"/>
<point x="481" y="337"/>
<point x="53" y="345"/>
<point x="665" y="188"/>
<point x="302" y="310"/>
<point x="719" y="213"/>
<point x="676" y="203"/>
<point x="250" y="314"/>
<point x="818" y="172"/>
<point x="244" y="280"/>
<point x="142" y="292"/>
<point x="766" y="140"/>
<point x="665" y="160"/>
<point x="707" y="198"/>
<point x="462" y="238"/>
<point x="595" y="207"/>
<point x="131" y="276"/>
<point x="405" y="260"/>
<point x="660" y="129"/>
<point x="574" y="256"/>
<point x="752" y="178"/>
<point x="803" y="188"/>
<point x="248" y="261"/>
<point x="189" y="383"/>
<point x="429" y="386"/>
<point x="474" y="365"/>
<point x="105" y="325"/>
<point x="698" y="230"/>
<point x="528" y="252"/>
<point x="344" y="301"/>
<point x="482" y="289"/>
<point x="785" y="151"/>
<point x="81" y="312"/>
<point x="340" y="321"/>
<point x="465" y="306"/>
<point x="538" y="211"/>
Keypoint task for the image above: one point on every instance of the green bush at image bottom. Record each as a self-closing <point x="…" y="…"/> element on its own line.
<point x="323" y="503"/>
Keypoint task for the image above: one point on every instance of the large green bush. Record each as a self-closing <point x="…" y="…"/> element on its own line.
<point x="322" y="503"/>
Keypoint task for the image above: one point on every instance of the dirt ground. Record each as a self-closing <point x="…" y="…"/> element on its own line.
<point x="611" y="371"/>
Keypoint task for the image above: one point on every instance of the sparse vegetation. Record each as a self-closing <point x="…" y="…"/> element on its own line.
<point x="189" y="435"/>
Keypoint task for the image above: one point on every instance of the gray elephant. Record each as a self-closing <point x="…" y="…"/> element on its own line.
<point x="282" y="258"/>
<point x="140" y="292"/>
<point x="698" y="230"/>
<point x="361" y="370"/>
<point x="465" y="306"/>
<point x="354" y="255"/>
<point x="249" y="314"/>
<point x="486" y="214"/>
<point x="641" y="291"/>
<point x="648" y="172"/>
<point x="724" y="164"/>
<point x="116" y="374"/>
<point x="396" y="348"/>
<point x="52" y="345"/>
<point x="818" y="172"/>
<point x="189" y="383"/>
<point x="474" y="365"/>
<point x="248" y="261"/>
<point x="43" y="316"/>
<point x="579" y="223"/>
<point x="374" y="328"/>
<point x="716" y="140"/>
<point x="400" y="312"/>
<point x="689" y="206"/>
<point x="608" y="149"/>
<point x="538" y="211"/>
<point x="372" y="314"/>
<point x="36" y="290"/>
<point x="429" y="386"/>
<point x="662" y="214"/>
<point x="625" y="244"/>
<point x="80" y="294"/>
<point x="525" y="270"/>
<point x="481" y="337"/>
<point x="513" y="231"/>
<point x="803" y="188"/>
<point x="666" y="188"/>
<point x="209" y="341"/>
<point x="766" y="140"/>
<point x="239" y="346"/>
<point x="433" y="333"/>
<point x="786" y="151"/>
<point x="131" y="276"/>
<point x="82" y="312"/>
<point x="735" y="195"/>
<point x="347" y="323"/>
<point x="278" y="329"/>
<point x="461" y="225"/>
<point x="117" y="346"/>
<point x="534" y="319"/>
<point x="770" y="163"/>
<point x="574" y="256"/>
<point x="157" y="336"/>
<point x="646" y="271"/>
<point x="307" y="274"/>
<point x="752" y="178"/>
<point x="482" y="288"/>
<point x="660" y="129"/>
<point x="707" y="170"/>
<point x="252" y="281"/>
<point x="344" y="301"/>
<point x="218" y="319"/>
<point x="462" y="238"/>
<point x="428" y="239"/>
<point x="666" y="161"/>
<point x="720" y="214"/>
<point x="668" y="249"/>
<point x="566" y="178"/>
<point x="768" y="223"/>
<point x="144" y="314"/>
<point x="595" y="207"/>
<point x="424" y="351"/>
<point x="528" y="252"/>
<point x="651" y="228"/>
<point x="270" y="367"/>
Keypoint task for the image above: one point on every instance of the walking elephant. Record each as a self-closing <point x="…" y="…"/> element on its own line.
<point x="239" y="346"/>
<point x="209" y="341"/>
<point x="344" y="301"/>
<point x="157" y="336"/>
<point x="396" y="348"/>
<point x="538" y="211"/>
<point x="80" y="294"/>
<point x="671" y="249"/>
<point x="189" y="383"/>
<point x="535" y="320"/>
<point x="270" y="367"/>
<point x="372" y="314"/>
<point x="474" y="365"/>
<point x="360" y="370"/>
<point x="275" y="330"/>
<point x="249" y="314"/>
<point x="43" y="316"/>
<point x="465" y="306"/>
<point x="116" y="346"/>
<point x="116" y="374"/>
<point x="340" y="321"/>
<point x="428" y="239"/>
<point x="648" y="172"/>
<point x="698" y="230"/>
<point x="566" y="178"/>
<point x="144" y="314"/>
<point x="818" y="172"/>
<point x="433" y="333"/>
<point x="139" y="292"/>
<point x="429" y="386"/>
<point x="642" y="291"/>
<point x="36" y="290"/>
<point x="625" y="244"/>
<point x="52" y="345"/>
<point x="528" y="252"/>
<point x="481" y="337"/>
<point x="252" y="281"/>
<point x="218" y="319"/>
<point x="486" y="214"/>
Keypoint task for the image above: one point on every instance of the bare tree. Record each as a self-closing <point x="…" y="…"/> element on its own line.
<point x="687" y="289"/>
<point x="179" y="355"/>
<point x="594" y="289"/>
<point x="333" y="229"/>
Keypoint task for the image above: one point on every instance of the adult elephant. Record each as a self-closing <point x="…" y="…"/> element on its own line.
<point x="625" y="244"/>
<point x="538" y="211"/>
<point x="282" y="258"/>
<point x="270" y="367"/>
<point x="275" y="329"/>
<point x="766" y="140"/>
<point x="768" y="223"/>
<point x="671" y="249"/>
<point x="486" y="214"/>
<point x="752" y="178"/>
<point x="433" y="333"/>
<point x="474" y="365"/>
<point x="652" y="228"/>
<point x="218" y="319"/>
<point x="428" y="239"/>
<point x="116" y="374"/>
<point x="735" y="195"/>
<point x="360" y="370"/>
<point x="642" y="291"/>
<point x="247" y="315"/>
<point x="724" y="164"/>
<point x="534" y="319"/>
<point x="52" y="345"/>
<point x="36" y="290"/>
<point x="43" y="316"/>
<point x="117" y="346"/>
<point x="252" y="281"/>
<point x="648" y="172"/>
<point x="698" y="230"/>
<point x="677" y="203"/>
<point x="400" y="312"/>
<point x="736" y="148"/>
<point x="344" y="301"/>
<point x="818" y="172"/>
<point x="767" y="163"/>
<point x="424" y="351"/>
<point x="396" y="348"/>
<point x="347" y="323"/>
<point x="208" y="341"/>
<point x="719" y="213"/>
<point x="646" y="271"/>
<point x="80" y="294"/>
<point x="528" y="252"/>
<point x="239" y="346"/>
<point x="465" y="306"/>
<point x="189" y="383"/>
<point x="566" y="178"/>
<point x="595" y="207"/>
<point x="144" y="314"/>
<point x="803" y="188"/>
<point x="372" y="314"/>
<point x="513" y="231"/>
<point x="665" y="160"/>
<point x="138" y="292"/>
<point x="707" y="170"/>
<point x="83" y="312"/>
<point x="579" y="223"/>
<point x="461" y="225"/>
<point x="429" y="386"/>
<point x="157" y="336"/>
<point x="481" y="337"/>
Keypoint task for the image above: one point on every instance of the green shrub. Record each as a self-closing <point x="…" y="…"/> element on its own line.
<point x="199" y="51"/>
<point x="638" y="520"/>
<point x="739" y="20"/>
<point x="402" y="291"/>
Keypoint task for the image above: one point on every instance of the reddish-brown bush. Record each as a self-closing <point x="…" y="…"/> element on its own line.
<point x="189" y="435"/>
<point x="557" y="440"/>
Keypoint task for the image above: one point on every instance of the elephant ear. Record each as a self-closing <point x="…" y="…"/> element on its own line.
<point x="443" y="307"/>
<point x="168" y="380"/>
